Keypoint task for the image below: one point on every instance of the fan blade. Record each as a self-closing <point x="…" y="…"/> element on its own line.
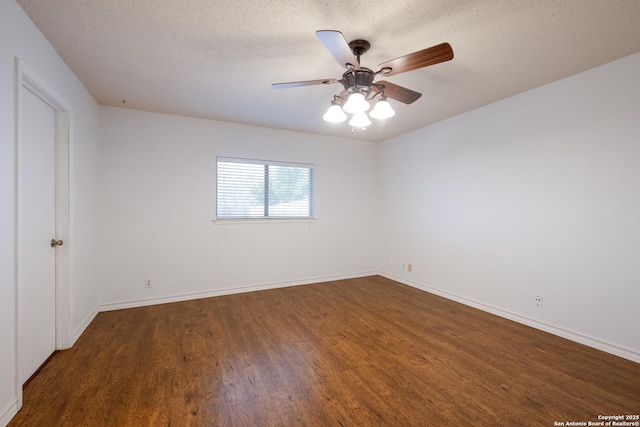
<point x="423" y="58"/>
<point x="335" y="43"/>
<point x="303" y="83"/>
<point x="399" y="93"/>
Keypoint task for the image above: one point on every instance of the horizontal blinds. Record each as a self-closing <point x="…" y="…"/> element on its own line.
<point x="240" y="190"/>
<point x="257" y="189"/>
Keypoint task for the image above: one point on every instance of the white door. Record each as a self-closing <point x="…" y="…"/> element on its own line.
<point x="36" y="228"/>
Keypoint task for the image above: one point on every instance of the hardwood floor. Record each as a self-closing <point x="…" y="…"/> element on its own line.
<point x="360" y="352"/>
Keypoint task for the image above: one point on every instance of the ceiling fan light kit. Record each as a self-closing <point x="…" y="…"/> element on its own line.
<point x="359" y="87"/>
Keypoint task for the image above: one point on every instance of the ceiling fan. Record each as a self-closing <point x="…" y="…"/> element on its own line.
<point x="358" y="81"/>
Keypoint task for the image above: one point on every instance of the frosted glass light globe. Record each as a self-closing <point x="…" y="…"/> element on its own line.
<point x="360" y="120"/>
<point x="356" y="103"/>
<point x="382" y="110"/>
<point x="335" y="114"/>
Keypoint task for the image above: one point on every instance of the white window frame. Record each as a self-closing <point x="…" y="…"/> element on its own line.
<point x="249" y="219"/>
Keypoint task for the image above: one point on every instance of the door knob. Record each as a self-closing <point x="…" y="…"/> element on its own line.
<point x="55" y="243"/>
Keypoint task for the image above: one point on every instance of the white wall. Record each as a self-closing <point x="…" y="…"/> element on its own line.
<point x="538" y="194"/>
<point x="19" y="38"/>
<point x="157" y="205"/>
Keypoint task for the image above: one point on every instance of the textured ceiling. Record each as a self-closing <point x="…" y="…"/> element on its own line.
<point x="217" y="59"/>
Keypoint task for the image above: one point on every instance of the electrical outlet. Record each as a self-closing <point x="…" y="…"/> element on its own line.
<point x="147" y="283"/>
<point x="538" y="300"/>
<point x="403" y="267"/>
<point x="409" y="267"/>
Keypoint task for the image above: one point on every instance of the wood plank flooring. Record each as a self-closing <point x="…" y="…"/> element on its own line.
<point x="360" y="352"/>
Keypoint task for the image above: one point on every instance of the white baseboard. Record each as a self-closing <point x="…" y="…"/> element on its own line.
<point x="208" y="294"/>
<point x="616" y="350"/>
<point x="84" y="325"/>
<point x="9" y="413"/>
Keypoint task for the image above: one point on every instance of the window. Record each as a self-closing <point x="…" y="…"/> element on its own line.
<point x="263" y="189"/>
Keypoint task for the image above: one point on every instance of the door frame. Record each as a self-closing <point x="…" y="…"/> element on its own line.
<point x="26" y="78"/>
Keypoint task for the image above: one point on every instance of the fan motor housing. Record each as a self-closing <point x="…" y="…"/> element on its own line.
<point x="360" y="80"/>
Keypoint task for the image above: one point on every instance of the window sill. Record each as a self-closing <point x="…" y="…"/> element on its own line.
<point x="239" y="221"/>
